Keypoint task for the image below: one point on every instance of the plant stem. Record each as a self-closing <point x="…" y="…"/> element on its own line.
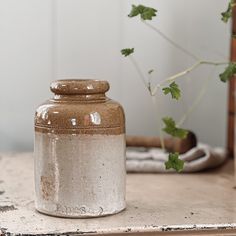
<point x="191" y="68"/>
<point x="184" y="50"/>
<point x="195" y="103"/>
<point x="150" y="83"/>
<point x="138" y="69"/>
<point x="154" y="91"/>
<point x="171" y="78"/>
<point x="180" y="74"/>
<point x="154" y="97"/>
<point x="213" y="63"/>
<point x="187" y="71"/>
<point x="156" y="109"/>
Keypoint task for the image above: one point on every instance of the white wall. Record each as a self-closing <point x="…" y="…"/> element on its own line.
<point x="25" y="68"/>
<point x="88" y="39"/>
<point x="44" y="40"/>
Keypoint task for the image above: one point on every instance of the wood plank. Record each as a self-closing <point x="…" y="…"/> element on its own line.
<point x="231" y="94"/>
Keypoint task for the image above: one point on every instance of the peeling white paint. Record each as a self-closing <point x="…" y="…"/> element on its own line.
<point x="170" y="204"/>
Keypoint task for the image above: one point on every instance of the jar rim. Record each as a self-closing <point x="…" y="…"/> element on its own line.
<point x="79" y="86"/>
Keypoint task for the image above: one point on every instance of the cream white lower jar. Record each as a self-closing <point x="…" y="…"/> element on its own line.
<point x="77" y="175"/>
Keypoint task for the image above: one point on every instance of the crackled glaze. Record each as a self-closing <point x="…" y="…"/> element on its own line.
<point x="80" y="151"/>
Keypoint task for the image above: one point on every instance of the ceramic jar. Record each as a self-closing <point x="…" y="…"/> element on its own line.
<point x="80" y="151"/>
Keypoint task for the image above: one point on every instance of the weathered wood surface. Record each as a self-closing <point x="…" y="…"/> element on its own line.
<point x="168" y="204"/>
<point x="231" y="94"/>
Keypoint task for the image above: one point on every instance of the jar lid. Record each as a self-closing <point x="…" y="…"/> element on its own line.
<point x="79" y="86"/>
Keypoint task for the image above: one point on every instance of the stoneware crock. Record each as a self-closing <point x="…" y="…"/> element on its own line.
<point x="80" y="151"/>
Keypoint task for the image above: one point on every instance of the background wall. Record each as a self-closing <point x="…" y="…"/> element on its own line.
<point x="45" y="40"/>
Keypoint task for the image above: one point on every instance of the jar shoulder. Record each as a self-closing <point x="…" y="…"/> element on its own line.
<point x="77" y="114"/>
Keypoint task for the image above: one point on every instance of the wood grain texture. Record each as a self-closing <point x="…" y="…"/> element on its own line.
<point x="157" y="204"/>
<point x="231" y="94"/>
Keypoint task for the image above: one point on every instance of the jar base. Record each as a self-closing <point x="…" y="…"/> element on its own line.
<point x="84" y="216"/>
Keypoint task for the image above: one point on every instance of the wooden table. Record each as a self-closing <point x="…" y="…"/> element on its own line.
<point x="168" y="204"/>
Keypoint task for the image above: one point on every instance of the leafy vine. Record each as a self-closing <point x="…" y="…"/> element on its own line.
<point x="169" y="85"/>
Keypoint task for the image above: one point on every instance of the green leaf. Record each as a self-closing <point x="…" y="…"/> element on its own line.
<point x="228" y="73"/>
<point x="146" y="13"/>
<point x="171" y="129"/>
<point x="228" y="13"/>
<point x="127" y="51"/>
<point x="174" y="90"/>
<point x="174" y="162"/>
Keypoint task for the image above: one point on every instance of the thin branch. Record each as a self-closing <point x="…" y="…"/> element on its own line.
<point x="191" y="68"/>
<point x="196" y="102"/>
<point x="185" y="72"/>
<point x="213" y="63"/>
<point x="182" y="73"/>
<point x="184" y="50"/>
<point x="150" y="83"/>
<point x="138" y="69"/>
<point x="156" y="109"/>
<point x="175" y="76"/>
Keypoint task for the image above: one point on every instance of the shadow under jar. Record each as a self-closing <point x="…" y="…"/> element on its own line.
<point x="80" y="151"/>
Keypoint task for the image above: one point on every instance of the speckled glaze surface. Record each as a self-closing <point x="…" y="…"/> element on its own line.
<point x="80" y="151"/>
<point x="80" y="106"/>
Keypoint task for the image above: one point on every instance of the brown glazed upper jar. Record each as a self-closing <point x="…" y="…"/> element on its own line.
<point x="80" y="151"/>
